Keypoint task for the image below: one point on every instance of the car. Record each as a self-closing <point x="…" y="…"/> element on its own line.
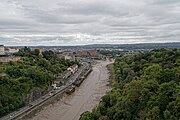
<point x="11" y="115"/>
<point x="29" y="105"/>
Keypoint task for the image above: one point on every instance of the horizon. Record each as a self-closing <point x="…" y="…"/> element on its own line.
<point x="89" y="44"/>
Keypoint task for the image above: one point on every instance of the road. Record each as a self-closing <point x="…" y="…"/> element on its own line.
<point x="72" y="78"/>
<point x="84" y="98"/>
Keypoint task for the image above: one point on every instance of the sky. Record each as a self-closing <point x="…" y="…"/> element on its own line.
<point x="79" y="22"/>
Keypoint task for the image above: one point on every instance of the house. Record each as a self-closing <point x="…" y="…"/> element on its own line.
<point x="66" y="74"/>
<point x="73" y="68"/>
<point x="56" y="83"/>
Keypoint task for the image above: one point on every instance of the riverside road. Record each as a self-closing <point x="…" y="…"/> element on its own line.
<point x="19" y="112"/>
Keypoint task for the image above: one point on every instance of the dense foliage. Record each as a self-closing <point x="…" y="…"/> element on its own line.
<point x="147" y="88"/>
<point x="34" y="70"/>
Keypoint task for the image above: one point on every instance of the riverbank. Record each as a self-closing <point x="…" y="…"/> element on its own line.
<point x="84" y="98"/>
<point x="110" y="68"/>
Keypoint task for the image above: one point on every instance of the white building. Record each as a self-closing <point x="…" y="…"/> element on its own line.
<point x="73" y="68"/>
<point x="67" y="56"/>
<point x="2" y="52"/>
<point x="11" y="50"/>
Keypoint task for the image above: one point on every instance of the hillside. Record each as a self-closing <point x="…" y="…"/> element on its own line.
<point x="136" y="46"/>
<point x="147" y="88"/>
<point x="33" y="73"/>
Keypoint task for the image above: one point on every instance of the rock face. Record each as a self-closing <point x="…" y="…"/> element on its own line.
<point x="34" y="94"/>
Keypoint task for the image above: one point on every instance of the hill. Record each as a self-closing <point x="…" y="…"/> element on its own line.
<point x="147" y="88"/>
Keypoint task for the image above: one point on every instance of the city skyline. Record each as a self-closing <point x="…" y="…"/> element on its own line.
<point x="80" y="22"/>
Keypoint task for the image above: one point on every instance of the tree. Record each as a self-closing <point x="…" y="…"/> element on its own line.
<point x="147" y="87"/>
<point x="153" y="114"/>
<point x="86" y="116"/>
<point x="17" y="79"/>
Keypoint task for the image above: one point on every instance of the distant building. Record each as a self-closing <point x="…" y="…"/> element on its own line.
<point x="2" y="51"/>
<point x="8" y="59"/>
<point x="83" y="53"/>
<point x="93" y="53"/>
<point x="11" y="50"/>
<point x="7" y="50"/>
<point x="67" y="56"/>
<point x="56" y="84"/>
<point x="63" y="77"/>
<point x="67" y="74"/>
<point x="73" y="68"/>
<point x="42" y="49"/>
<point x="88" y="53"/>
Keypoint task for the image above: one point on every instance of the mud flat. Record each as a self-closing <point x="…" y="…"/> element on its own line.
<point x="88" y="95"/>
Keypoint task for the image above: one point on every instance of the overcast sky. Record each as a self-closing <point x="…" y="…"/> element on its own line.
<point x="74" y="22"/>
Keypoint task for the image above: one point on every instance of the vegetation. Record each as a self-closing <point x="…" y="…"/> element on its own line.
<point x="147" y="88"/>
<point x="142" y="46"/>
<point x="34" y="70"/>
<point x="113" y="53"/>
<point x="110" y="68"/>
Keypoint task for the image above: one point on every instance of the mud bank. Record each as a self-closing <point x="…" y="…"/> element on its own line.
<point x="88" y="95"/>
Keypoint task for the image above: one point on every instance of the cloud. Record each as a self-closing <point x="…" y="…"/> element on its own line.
<point x="59" y="22"/>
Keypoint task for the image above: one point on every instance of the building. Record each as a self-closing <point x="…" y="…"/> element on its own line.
<point x="56" y="84"/>
<point x="66" y="56"/>
<point x="73" y="68"/>
<point x="63" y="77"/>
<point x="93" y="53"/>
<point x="67" y="74"/>
<point x="11" y="50"/>
<point x="2" y="51"/>
<point x="83" y="53"/>
<point x="69" y="57"/>
<point x="8" y="59"/>
<point x="88" y="53"/>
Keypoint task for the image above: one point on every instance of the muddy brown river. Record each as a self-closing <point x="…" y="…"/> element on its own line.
<point x="83" y="99"/>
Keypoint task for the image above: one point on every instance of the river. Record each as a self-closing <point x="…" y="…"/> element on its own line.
<point x="83" y="99"/>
